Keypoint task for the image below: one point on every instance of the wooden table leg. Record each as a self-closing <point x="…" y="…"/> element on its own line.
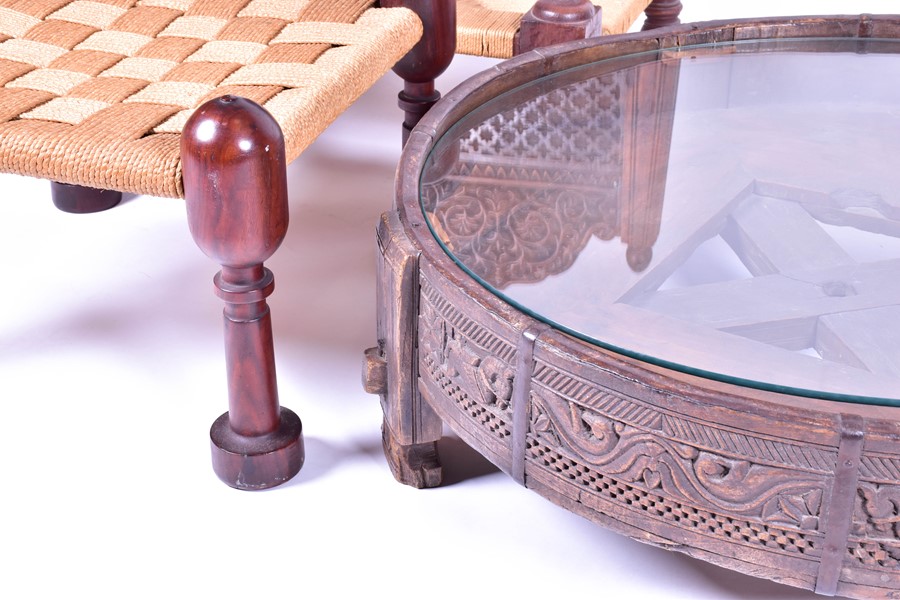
<point x="411" y="428"/>
<point x="235" y="186"/>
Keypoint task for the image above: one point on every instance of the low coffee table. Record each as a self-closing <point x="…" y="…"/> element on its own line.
<point x="656" y="279"/>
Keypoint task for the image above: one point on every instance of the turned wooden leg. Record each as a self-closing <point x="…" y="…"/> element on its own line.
<point x="235" y="187"/>
<point x="428" y="58"/>
<point x="410" y="429"/>
<point x="554" y="21"/>
<point x="81" y="200"/>
<point x="661" y="13"/>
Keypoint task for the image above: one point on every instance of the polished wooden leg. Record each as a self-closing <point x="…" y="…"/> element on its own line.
<point x="661" y="13"/>
<point x="554" y="21"/>
<point x="235" y="187"/>
<point x="82" y="200"/>
<point x="428" y="58"/>
<point x="411" y="429"/>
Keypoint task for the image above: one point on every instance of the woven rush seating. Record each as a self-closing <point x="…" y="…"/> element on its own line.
<point x="206" y="100"/>
<point x="96" y="93"/>
<point x="491" y="27"/>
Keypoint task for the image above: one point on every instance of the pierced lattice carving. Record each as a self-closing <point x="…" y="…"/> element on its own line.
<point x="652" y="504"/>
<point x="577" y="123"/>
<point x="875" y="534"/>
<point x="679" y="471"/>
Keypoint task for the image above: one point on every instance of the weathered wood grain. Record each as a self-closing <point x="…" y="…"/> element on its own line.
<point x="796" y="489"/>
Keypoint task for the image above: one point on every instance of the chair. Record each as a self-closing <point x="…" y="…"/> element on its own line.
<point x="206" y="100"/>
<point x="504" y="28"/>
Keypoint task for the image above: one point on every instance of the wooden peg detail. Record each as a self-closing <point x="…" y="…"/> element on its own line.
<point x="235" y="187"/>
<point x="374" y="371"/>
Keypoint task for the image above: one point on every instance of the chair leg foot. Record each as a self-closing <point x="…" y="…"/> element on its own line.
<point x="82" y="200"/>
<point x="258" y="462"/>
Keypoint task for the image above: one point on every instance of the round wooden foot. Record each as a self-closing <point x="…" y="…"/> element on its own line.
<point x="81" y="200"/>
<point x="257" y="462"/>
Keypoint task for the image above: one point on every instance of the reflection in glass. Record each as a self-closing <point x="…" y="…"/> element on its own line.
<point x="732" y="211"/>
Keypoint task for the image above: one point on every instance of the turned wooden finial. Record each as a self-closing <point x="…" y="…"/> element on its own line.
<point x="662" y="13"/>
<point x="427" y="59"/>
<point x="235" y="187"/>
<point x="235" y="181"/>
<point x="554" y="21"/>
<point x="563" y="11"/>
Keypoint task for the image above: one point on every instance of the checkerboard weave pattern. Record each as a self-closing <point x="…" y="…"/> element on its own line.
<point x="95" y="92"/>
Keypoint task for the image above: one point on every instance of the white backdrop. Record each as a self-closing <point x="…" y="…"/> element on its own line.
<point x="111" y="371"/>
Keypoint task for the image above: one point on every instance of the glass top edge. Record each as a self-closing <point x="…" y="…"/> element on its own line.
<point x="681" y="368"/>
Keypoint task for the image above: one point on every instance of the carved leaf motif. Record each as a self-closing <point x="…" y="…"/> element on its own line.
<point x="590" y="434"/>
<point x="602" y="429"/>
<point x="813" y="501"/>
<point x="771" y="511"/>
<point x="681" y="470"/>
<point x="799" y="509"/>
<point x="541" y="423"/>
<point x="792" y="506"/>
<point x="464" y="218"/>
<point x="513" y="234"/>
<point x="881" y="507"/>
<point x="653" y="479"/>
<point x="434" y="336"/>
<point x="495" y="382"/>
<point x="487" y="381"/>
<point x="721" y="470"/>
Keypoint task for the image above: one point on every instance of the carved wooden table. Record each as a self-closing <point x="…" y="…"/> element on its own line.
<point x="656" y="279"/>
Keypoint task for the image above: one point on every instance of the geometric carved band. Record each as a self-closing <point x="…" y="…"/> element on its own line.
<point x="839" y="515"/>
<point x="621" y="408"/>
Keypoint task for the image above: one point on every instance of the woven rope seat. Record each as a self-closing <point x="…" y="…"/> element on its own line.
<point x="206" y="100"/>
<point x="488" y="27"/>
<point x="96" y="92"/>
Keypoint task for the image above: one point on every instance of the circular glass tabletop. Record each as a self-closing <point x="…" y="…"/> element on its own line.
<point x="730" y="210"/>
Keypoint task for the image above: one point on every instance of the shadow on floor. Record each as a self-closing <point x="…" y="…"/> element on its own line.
<point x="462" y="463"/>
